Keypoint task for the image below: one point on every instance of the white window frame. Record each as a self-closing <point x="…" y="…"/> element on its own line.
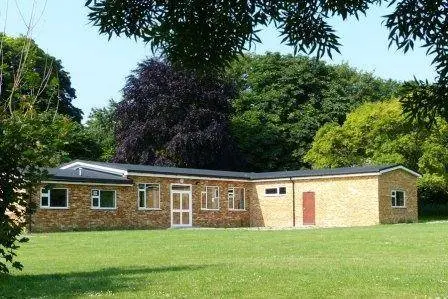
<point x="231" y="198"/>
<point x="277" y="193"/>
<point x="394" y="198"/>
<point x="99" y="200"/>
<point x="48" y="195"/>
<point x="207" y="199"/>
<point x="145" y="208"/>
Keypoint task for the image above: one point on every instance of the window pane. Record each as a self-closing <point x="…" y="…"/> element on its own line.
<point x="212" y="198"/>
<point x="180" y="187"/>
<point x="141" y="199"/>
<point x="95" y="202"/>
<point x="282" y="190"/>
<point x="214" y="203"/>
<point x="185" y="218"/>
<point x="230" y="196"/>
<point x="176" y="218"/>
<point x="185" y="201"/>
<point x="107" y="199"/>
<point x="95" y="192"/>
<point x="399" y="195"/>
<point x="44" y="201"/>
<point x="153" y="194"/>
<point x="238" y="202"/>
<point x="270" y="191"/>
<point x="58" y="198"/>
<point x="176" y="201"/>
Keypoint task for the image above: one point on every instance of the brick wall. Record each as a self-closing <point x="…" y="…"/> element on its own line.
<point x="343" y="201"/>
<point x="272" y="211"/>
<point x="400" y="180"/>
<point x="348" y="201"/>
<point x="80" y="216"/>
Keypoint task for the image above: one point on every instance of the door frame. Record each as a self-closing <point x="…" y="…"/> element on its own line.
<point x="190" y="205"/>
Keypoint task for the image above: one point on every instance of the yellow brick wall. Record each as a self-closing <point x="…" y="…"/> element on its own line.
<point x="347" y="201"/>
<point x="80" y="216"/>
<point x="343" y="201"/>
<point x="401" y="180"/>
<point x="272" y="211"/>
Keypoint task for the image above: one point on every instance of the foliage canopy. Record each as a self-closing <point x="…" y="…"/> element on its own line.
<point x="284" y="100"/>
<point x="175" y="118"/>
<point x="31" y="78"/>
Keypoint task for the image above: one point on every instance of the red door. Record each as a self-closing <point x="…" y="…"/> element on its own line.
<point x="308" y="208"/>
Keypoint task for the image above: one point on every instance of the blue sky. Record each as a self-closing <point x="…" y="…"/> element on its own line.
<point x="99" y="67"/>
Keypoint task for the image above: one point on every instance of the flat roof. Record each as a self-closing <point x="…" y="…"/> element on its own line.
<point x="117" y="173"/>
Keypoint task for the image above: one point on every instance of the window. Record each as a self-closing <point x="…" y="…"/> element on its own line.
<point x="237" y="200"/>
<point x="398" y="199"/>
<point x="149" y="196"/>
<point x="54" y="198"/>
<point x="103" y="199"/>
<point x="210" y="198"/>
<point x="275" y="191"/>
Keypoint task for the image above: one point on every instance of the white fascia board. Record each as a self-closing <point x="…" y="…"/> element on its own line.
<point x="401" y="167"/>
<point x="86" y="183"/>
<point x="185" y="177"/>
<point x="318" y="177"/>
<point x="96" y="167"/>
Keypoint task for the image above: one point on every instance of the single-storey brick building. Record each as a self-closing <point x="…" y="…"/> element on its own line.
<point x="93" y="195"/>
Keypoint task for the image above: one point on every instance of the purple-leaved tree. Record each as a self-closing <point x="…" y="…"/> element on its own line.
<point x="175" y="118"/>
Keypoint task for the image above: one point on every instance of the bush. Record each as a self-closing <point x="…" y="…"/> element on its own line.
<point x="433" y="196"/>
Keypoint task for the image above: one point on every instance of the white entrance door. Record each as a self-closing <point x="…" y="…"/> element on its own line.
<point x="181" y="210"/>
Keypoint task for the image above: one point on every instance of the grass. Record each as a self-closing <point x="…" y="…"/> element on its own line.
<point x="405" y="260"/>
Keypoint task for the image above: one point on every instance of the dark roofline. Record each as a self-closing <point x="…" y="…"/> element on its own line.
<point x="132" y="169"/>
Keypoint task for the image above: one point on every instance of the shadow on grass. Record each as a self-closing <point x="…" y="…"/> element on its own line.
<point x="101" y="282"/>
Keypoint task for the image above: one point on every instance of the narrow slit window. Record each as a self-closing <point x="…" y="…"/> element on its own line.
<point x="275" y="191"/>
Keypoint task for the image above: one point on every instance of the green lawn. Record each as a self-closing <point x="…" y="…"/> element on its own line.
<point x="404" y="260"/>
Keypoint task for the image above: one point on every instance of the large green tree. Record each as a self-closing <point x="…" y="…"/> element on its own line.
<point x="29" y="142"/>
<point x="101" y="127"/>
<point x="284" y="100"/>
<point x="380" y="133"/>
<point x="375" y="133"/>
<point x="29" y="77"/>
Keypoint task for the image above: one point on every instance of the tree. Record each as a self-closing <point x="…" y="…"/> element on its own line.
<point x="202" y="34"/>
<point x="375" y="133"/>
<point x="208" y="35"/>
<point x="284" y="100"/>
<point x="28" y="142"/>
<point x="380" y="133"/>
<point x="30" y="77"/>
<point x="175" y="118"/>
<point x="101" y="127"/>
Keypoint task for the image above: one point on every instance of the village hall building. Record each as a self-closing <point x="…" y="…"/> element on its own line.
<point x="85" y="195"/>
